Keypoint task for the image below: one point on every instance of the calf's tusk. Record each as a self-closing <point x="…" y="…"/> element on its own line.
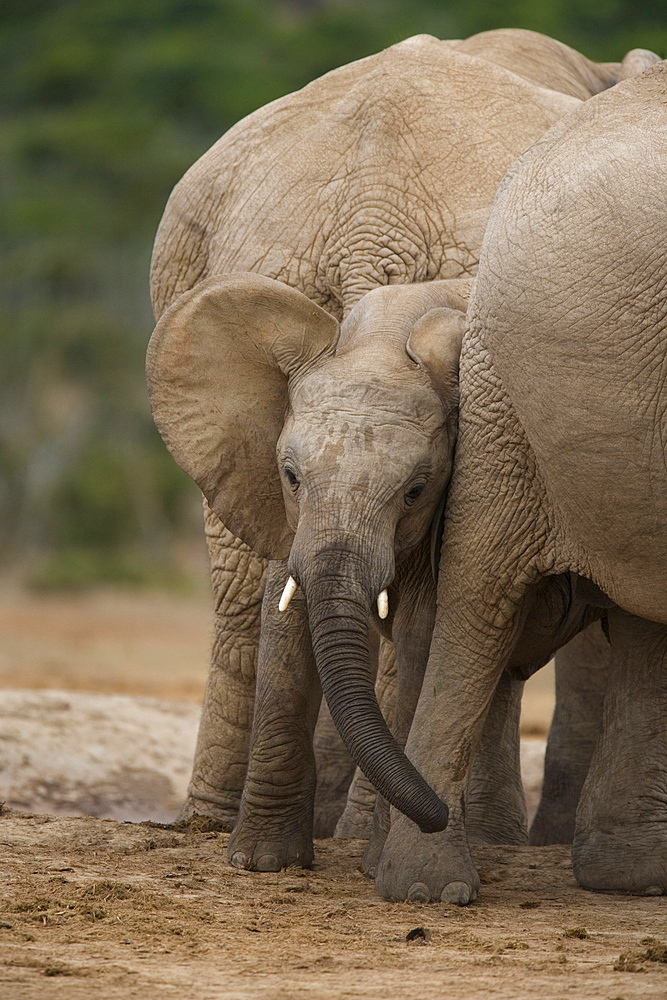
<point x="290" y="590"/>
<point x="383" y="604"/>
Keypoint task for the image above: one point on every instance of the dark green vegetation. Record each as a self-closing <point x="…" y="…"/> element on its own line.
<point x="105" y="103"/>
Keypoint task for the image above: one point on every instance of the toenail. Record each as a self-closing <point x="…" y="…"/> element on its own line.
<point x="268" y="863"/>
<point x="239" y="860"/>
<point x="456" y="892"/>
<point x="654" y="890"/>
<point x="419" y="893"/>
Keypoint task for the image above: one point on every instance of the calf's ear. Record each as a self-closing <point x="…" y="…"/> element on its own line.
<point x="218" y="368"/>
<point x="435" y="345"/>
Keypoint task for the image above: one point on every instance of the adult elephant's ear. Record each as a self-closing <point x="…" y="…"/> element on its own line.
<point x="218" y="366"/>
<point x="636" y="61"/>
<point x="435" y="344"/>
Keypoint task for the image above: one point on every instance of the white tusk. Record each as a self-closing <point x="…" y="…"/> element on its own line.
<point x="290" y="590"/>
<point x="383" y="604"/>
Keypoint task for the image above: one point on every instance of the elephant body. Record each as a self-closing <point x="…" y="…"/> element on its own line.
<point x="558" y="501"/>
<point x="380" y="174"/>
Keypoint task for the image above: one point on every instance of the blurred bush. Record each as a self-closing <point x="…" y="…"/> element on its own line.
<point x="105" y="104"/>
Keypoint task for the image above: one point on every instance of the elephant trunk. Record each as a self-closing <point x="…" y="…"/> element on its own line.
<point x="338" y="611"/>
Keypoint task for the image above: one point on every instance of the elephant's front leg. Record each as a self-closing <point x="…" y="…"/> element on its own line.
<point x="275" y="824"/>
<point x="468" y="656"/>
<point x="221" y="755"/>
<point x="582" y="668"/>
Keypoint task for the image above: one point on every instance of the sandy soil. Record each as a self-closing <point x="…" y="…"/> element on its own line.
<point x="95" y="908"/>
<point x="107" y="755"/>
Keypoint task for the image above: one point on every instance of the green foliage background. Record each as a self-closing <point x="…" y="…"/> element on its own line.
<point x="105" y="103"/>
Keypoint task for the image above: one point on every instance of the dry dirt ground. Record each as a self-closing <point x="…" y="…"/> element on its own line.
<point x="93" y="908"/>
<point x="97" y="908"/>
<point x="108" y="755"/>
<point x="106" y="642"/>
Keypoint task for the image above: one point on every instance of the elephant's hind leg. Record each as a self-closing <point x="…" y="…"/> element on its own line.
<point x="334" y="768"/>
<point x="582" y="668"/>
<point x="495" y="800"/>
<point x="221" y="755"/>
<point x="620" y="841"/>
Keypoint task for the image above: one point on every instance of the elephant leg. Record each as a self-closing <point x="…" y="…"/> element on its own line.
<point x="620" y="840"/>
<point x="358" y="816"/>
<point x="582" y="668"/>
<point x="495" y="800"/>
<point x="221" y="755"/>
<point x="275" y="824"/>
<point x="334" y="768"/>
<point x="412" y="630"/>
<point x="474" y="636"/>
<point x="335" y="771"/>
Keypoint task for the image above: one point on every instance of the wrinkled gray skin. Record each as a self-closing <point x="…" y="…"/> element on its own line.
<point x="582" y="668"/>
<point x="558" y="500"/>
<point x="320" y="191"/>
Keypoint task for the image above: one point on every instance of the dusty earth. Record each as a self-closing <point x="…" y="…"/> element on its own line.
<point x="106" y="642"/>
<point x="96" y="908"/>
<point x="93" y="908"/>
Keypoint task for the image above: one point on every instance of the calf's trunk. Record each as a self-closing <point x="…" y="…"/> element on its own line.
<point x="338" y="610"/>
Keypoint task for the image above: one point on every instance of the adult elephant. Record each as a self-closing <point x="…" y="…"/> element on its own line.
<point x="558" y="502"/>
<point x="380" y="173"/>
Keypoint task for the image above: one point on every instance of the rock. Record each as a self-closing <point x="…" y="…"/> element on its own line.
<point x="110" y="756"/>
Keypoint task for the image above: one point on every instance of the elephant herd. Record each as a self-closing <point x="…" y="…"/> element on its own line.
<point x="411" y="345"/>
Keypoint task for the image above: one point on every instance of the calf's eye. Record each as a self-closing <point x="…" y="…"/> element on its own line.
<point x="292" y="478"/>
<point x="413" y="493"/>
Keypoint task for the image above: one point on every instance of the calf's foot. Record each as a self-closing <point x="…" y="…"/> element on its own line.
<point x="357" y="818"/>
<point x="427" y="867"/>
<point x="270" y="847"/>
